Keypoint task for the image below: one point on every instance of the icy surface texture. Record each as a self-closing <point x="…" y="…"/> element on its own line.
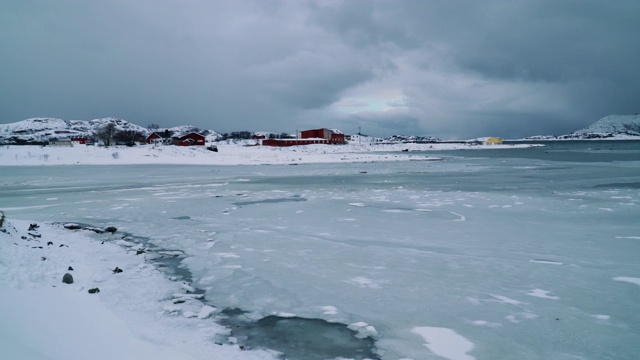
<point x="526" y="253"/>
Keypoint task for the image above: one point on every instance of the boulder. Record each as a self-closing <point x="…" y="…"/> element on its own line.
<point x="67" y="278"/>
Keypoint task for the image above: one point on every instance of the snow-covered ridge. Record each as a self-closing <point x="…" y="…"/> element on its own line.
<point x="614" y="127"/>
<point x="41" y="130"/>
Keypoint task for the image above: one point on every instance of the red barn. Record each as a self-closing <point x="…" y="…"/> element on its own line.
<point x="293" y="142"/>
<point x="333" y="136"/>
<point x="191" y="139"/>
<point x="308" y="137"/>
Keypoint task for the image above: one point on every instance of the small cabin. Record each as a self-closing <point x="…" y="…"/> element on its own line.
<point x="493" y="141"/>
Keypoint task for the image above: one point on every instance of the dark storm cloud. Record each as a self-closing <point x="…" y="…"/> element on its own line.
<point x="584" y="50"/>
<point x="442" y="68"/>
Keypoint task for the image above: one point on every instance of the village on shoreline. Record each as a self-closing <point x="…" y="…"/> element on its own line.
<point x="232" y="153"/>
<point x="114" y="141"/>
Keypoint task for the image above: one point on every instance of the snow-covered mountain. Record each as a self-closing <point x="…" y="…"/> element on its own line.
<point x="41" y="130"/>
<point x="612" y="126"/>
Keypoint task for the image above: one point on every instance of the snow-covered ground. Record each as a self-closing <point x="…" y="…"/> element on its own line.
<point x="228" y="154"/>
<point x="136" y="313"/>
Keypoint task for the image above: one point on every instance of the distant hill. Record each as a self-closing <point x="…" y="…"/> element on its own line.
<point x="42" y="130"/>
<point x="611" y="126"/>
<point x="619" y="127"/>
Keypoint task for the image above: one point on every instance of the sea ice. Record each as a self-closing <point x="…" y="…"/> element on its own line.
<point x="364" y="282"/>
<point x="445" y="342"/>
<point x="206" y="311"/>
<point x="632" y="280"/>
<point x="329" y="310"/>
<point x="357" y="204"/>
<point x="485" y="323"/>
<point x="544" y="294"/>
<point x="505" y="300"/>
<point x="549" y="262"/>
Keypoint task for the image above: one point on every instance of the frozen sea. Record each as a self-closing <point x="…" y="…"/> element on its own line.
<point x="487" y="254"/>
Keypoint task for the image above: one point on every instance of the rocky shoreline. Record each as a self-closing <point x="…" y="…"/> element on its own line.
<point x="125" y="279"/>
<point x="232" y="329"/>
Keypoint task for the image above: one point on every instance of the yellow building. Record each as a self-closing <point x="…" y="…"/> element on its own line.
<point x="493" y="141"/>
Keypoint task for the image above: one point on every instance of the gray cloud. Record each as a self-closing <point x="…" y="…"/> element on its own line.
<point x="442" y="68"/>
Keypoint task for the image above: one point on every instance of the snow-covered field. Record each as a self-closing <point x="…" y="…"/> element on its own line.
<point x="483" y="255"/>
<point x="228" y="154"/>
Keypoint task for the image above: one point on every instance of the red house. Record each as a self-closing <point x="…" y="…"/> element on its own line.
<point x="154" y="138"/>
<point x="191" y="139"/>
<point x="79" y="140"/>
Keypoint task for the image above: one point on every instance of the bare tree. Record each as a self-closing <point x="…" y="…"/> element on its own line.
<point x="106" y="134"/>
<point x="128" y="137"/>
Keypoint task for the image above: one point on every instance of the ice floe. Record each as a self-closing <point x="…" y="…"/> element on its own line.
<point x="445" y="342"/>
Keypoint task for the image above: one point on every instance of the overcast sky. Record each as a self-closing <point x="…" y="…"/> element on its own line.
<point x="451" y="69"/>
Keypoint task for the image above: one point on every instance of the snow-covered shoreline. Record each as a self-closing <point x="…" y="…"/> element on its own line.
<point x="228" y="154"/>
<point x="133" y="315"/>
<point x="136" y="314"/>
